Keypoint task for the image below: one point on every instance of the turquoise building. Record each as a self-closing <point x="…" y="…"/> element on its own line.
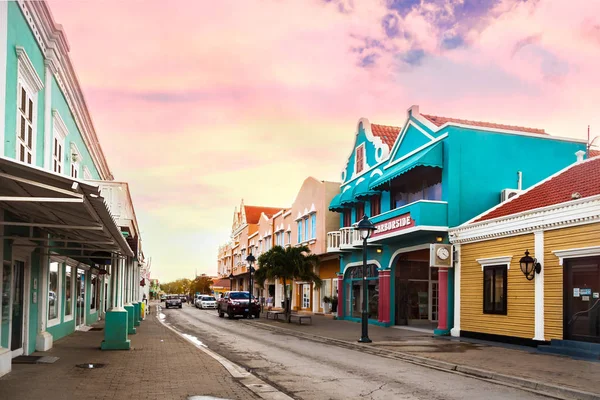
<point x="64" y="254"/>
<point x="415" y="182"/>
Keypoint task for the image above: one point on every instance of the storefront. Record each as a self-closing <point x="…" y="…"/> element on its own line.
<point x="529" y="270"/>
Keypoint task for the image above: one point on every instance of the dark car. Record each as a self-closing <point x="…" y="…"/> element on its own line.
<point x="173" y="301"/>
<point x="236" y="303"/>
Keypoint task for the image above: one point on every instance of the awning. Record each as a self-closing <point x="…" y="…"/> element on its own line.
<point x="347" y="198"/>
<point x="70" y="210"/>
<point x="430" y="157"/>
<point x="335" y="204"/>
<point x="362" y="189"/>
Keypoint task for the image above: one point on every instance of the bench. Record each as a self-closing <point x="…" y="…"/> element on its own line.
<point x="300" y="317"/>
<point x="274" y="314"/>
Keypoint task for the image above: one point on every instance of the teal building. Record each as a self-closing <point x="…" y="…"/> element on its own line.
<point x="415" y="182"/>
<point x="67" y="259"/>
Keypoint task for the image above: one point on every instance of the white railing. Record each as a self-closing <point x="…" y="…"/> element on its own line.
<point x="350" y="237"/>
<point x="333" y="241"/>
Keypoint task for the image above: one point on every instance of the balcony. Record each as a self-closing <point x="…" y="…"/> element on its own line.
<point x="344" y="239"/>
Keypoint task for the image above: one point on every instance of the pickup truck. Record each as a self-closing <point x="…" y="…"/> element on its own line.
<point x="236" y="303"/>
<point x="173" y="301"/>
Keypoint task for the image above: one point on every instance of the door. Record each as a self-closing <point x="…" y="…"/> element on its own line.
<point x="582" y="299"/>
<point x="16" y="332"/>
<point x="80" y="285"/>
<point x="306" y="296"/>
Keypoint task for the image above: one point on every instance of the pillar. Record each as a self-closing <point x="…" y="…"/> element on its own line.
<point x="442" y="328"/>
<point x="539" y="287"/>
<point x="136" y="294"/>
<point x="5" y="354"/>
<point x="128" y="301"/>
<point x="43" y="339"/>
<point x="384" y="296"/>
<point x="115" y="328"/>
<point x="340" y="307"/>
<point x="455" y="331"/>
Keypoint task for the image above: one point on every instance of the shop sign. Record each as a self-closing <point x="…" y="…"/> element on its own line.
<point x="396" y="224"/>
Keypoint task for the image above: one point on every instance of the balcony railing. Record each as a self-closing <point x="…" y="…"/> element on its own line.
<point x="333" y="241"/>
<point x="344" y="239"/>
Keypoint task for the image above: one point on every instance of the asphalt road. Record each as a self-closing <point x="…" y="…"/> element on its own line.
<point x="316" y="371"/>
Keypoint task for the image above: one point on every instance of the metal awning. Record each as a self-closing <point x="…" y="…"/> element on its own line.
<point x="429" y="157"/>
<point x="70" y="212"/>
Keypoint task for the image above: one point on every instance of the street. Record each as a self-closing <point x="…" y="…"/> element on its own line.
<point x="310" y="370"/>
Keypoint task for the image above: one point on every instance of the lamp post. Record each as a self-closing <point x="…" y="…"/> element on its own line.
<point x="366" y="228"/>
<point x="250" y="260"/>
<point x="231" y="277"/>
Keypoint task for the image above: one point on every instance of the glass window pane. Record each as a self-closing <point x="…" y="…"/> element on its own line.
<point x="68" y="297"/>
<point x="30" y="111"/>
<point x="23" y="100"/>
<point x="22" y="126"/>
<point x="53" y="291"/>
<point x="488" y="292"/>
<point x="94" y="283"/>
<point x="499" y="289"/>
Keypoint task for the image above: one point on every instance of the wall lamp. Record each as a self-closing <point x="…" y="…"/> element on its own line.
<point x="529" y="266"/>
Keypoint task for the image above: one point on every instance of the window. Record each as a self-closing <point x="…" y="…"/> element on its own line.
<point x="57" y="153"/>
<point x="300" y="231"/>
<point x="494" y="289"/>
<point x="313" y="226"/>
<point x="75" y="161"/>
<point x="360" y="211"/>
<point x="289" y="238"/>
<point x="25" y="125"/>
<point x="375" y="206"/>
<point x="306" y="237"/>
<point x="68" y="295"/>
<point x="347" y="218"/>
<point x="60" y="132"/>
<point x="360" y="158"/>
<point x="93" y="289"/>
<point x="75" y="170"/>
<point x="54" y="294"/>
<point x="417" y="184"/>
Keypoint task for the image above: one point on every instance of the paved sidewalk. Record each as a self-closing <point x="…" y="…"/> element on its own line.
<point x="161" y="365"/>
<point x="512" y="361"/>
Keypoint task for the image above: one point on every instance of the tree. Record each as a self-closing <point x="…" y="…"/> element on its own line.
<point x="202" y="284"/>
<point x="289" y="264"/>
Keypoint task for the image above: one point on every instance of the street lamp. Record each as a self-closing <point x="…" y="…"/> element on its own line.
<point x="366" y="228"/>
<point x="231" y="277"/>
<point x="250" y="259"/>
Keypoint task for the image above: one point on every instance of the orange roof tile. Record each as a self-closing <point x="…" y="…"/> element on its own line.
<point x="388" y="134"/>
<point x="439" y="121"/>
<point x="594" y="153"/>
<point x="253" y="213"/>
<point x="224" y="283"/>
<point x="582" y="178"/>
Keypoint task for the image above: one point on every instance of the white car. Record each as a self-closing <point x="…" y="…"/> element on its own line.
<point x="206" y="302"/>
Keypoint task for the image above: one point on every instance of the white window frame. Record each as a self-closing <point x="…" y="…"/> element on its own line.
<point x="75" y="162"/>
<point x="306" y="230"/>
<point x="313" y="225"/>
<point x="55" y="321"/>
<point x="59" y="134"/>
<point x="87" y="174"/>
<point x="29" y="80"/>
<point x="70" y="317"/>
<point x="364" y="161"/>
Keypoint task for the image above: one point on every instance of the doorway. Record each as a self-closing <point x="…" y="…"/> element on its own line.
<point x="80" y="292"/>
<point x="18" y="308"/>
<point x="416" y="292"/>
<point x="582" y="299"/>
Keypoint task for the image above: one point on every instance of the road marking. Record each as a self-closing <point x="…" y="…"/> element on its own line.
<point x="252" y="382"/>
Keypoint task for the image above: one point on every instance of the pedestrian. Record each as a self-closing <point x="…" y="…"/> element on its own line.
<point x="270" y="303"/>
<point x="262" y="304"/>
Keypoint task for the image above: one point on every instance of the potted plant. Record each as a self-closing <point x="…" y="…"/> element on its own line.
<point x="334" y="305"/>
<point x="326" y="304"/>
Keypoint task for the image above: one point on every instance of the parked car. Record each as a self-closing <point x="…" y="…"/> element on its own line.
<point x="206" y="302"/>
<point x="183" y="299"/>
<point x="163" y="298"/>
<point x="173" y="301"/>
<point x="237" y="303"/>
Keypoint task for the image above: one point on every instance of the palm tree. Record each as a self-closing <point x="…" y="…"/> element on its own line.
<point x="291" y="263"/>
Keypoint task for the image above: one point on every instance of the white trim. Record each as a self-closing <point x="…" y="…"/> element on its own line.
<point x="417" y="150"/>
<point x="3" y="58"/>
<point x="577" y="252"/>
<point x="417" y="228"/>
<point x="407" y="250"/>
<point x="359" y="263"/>
<point x="313" y="209"/>
<point x="276" y="214"/>
<point x="27" y="70"/>
<point x="403" y="135"/>
<point x="545" y="135"/>
<point x="287" y="213"/>
<point x="455" y="331"/>
<point x="539" y="287"/>
<point x="59" y="124"/>
<point x="58" y="293"/>
<point x="68" y="318"/>
<point x="48" y="131"/>
<point x="254" y="234"/>
<point x="87" y="174"/>
<point x="485" y="262"/>
<point x="364" y="159"/>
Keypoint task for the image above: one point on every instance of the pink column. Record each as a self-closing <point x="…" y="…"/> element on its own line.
<point x="443" y="299"/>
<point x="340" y="307"/>
<point x="384" y="296"/>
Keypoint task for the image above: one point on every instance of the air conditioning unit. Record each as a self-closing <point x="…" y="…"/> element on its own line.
<point x="508" y="193"/>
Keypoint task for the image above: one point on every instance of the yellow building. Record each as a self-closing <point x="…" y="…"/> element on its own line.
<point x="553" y="227"/>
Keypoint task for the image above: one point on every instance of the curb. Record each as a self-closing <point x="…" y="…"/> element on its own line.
<point x="538" y="387"/>
<point x="250" y="381"/>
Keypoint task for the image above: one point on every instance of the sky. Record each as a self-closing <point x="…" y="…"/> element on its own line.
<point x="199" y="104"/>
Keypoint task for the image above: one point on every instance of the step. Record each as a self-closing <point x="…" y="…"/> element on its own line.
<point x="570" y="351"/>
<point x="594" y="347"/>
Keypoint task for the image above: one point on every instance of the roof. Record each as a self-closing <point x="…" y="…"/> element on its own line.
<point x="388" y="134"/>
<point x="221" y="283"/>
<point x="594" y="153"/>
<point x="439" y="121"/>
<point x="253" y="213"/>
<point x="582" y="178"/>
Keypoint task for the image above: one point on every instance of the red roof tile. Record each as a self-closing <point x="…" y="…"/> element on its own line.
<point x="582" y="178"/>
<point x="388" y="134"/>
<point x="253" y="213"/>
<point x="439" y="121"/>
<point x="221" y="283"/>
<point x="594" y="153"/>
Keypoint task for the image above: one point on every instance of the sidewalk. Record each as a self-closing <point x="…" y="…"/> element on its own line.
<point x="484" y="359"/>
<point x="161" y="365"/>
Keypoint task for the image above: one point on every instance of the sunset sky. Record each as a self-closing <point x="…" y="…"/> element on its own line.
<point x="199" y="104"/>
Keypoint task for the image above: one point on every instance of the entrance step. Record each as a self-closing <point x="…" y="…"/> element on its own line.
<point x="572" y="348"/>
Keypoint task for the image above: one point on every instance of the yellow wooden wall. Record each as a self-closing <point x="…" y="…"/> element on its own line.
<point x="519" y="321"/>
<point x="561" y="239"/>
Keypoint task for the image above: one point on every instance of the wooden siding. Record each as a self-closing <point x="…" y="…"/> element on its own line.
<point x="561" y="239"/>
<point x="519" y="321"/>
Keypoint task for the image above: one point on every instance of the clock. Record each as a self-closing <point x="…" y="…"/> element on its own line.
<point x="443" y="253"/>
